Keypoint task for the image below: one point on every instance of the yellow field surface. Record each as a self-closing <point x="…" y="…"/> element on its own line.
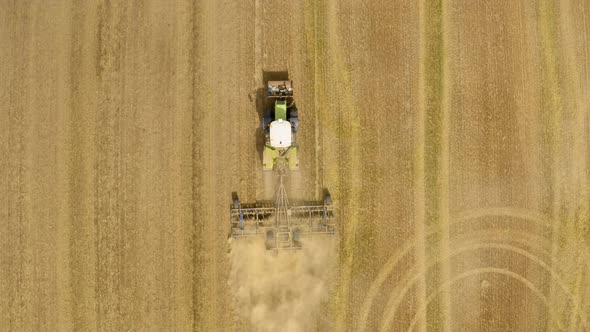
<point x="454" y="137"/>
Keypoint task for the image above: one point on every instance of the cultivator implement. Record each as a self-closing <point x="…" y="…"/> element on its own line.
<point x="282" y="225"/>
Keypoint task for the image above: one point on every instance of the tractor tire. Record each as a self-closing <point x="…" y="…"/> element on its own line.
<point x="294" y="123"/>
<point x="296" y="235"/>
<point x="327" y="199"/>
<point x="266" y="119"/>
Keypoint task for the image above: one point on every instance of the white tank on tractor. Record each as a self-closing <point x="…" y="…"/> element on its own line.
<point x="280" y="134"/>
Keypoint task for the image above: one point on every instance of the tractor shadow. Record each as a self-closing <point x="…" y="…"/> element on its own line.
<point x="261" y="106"/>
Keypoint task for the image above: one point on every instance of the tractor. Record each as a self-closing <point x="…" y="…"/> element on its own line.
<point x="280" y="123"/>
<point x="282" y="224"/>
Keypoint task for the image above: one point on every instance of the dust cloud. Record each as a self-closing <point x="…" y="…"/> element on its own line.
<point x="283" y="291"/>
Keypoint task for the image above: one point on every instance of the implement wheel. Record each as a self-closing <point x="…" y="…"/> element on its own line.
<point x="236" y="200"/>
<point x="327" y="199"/>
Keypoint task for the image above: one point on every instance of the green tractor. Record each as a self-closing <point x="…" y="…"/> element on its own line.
<point x="280" y="123"/>
<point x="285" y="224"/>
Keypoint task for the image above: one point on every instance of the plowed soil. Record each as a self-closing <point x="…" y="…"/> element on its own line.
<point x="454" y="137"/>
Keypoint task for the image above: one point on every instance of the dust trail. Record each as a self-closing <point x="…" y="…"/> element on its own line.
<point x="295" y="187"/>
<point x="284" y="291"/>
<point x="270" y="185"/>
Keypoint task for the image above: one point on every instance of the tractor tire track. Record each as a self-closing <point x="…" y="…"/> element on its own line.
<point x="570" y="152"/>
<point x="552" y="100"/>
<point x="433" y="190"/>
<point x="565" y="125"/>
<point x="183" y="149"/>
<point x="489" y="151"/>
<point x="16" y="302"/>
<point x="350" y="188"/>
<point x="109" y="163"/>
<point x="81" y="123"/>
<point x="204" y="163"/>
<point x="491" y="270"/>
<point x="216" y="155"/>
<point x="471" y="245"/>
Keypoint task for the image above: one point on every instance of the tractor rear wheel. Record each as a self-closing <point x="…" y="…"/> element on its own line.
<point x="296" y="234"/>
<point x="266" y="119"/>
<point x="294" y="123"/>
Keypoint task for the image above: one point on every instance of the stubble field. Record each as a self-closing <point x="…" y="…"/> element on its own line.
<point x="454" y="137"/>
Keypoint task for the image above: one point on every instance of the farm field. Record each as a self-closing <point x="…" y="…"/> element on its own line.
<point x="453" y="136"/>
